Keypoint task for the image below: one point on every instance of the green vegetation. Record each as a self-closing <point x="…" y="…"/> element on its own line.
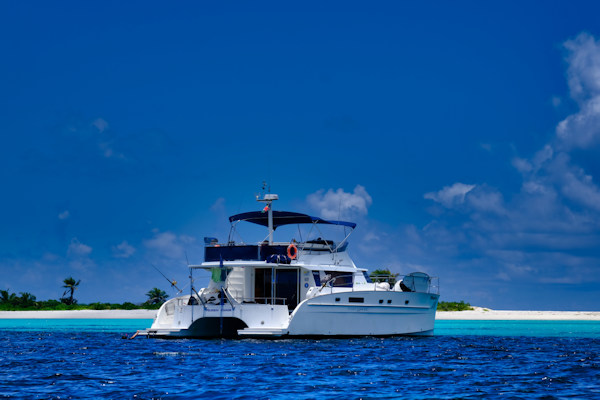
<point x="383" y="275"/>
<point x="156" y="296"/>
<point x="28" y="302"/>
<point x="453" y="306"/>
<point x="70" y="285"/>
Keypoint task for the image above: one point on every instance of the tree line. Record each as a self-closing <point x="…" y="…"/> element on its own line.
<point x="26" y="301"/>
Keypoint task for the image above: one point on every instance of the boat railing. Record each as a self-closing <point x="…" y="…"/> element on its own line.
<point x="392" y="279"/>
<point x="330" y="283"/>
<point x="265" y="300"/>
<point x="434" y="285"/>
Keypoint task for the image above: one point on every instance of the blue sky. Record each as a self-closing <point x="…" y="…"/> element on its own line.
<point x="462" y="137"/>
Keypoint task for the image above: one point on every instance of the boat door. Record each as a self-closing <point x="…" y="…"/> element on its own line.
<point x="286" y="285"/>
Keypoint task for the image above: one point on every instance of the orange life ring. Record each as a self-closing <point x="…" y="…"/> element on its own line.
<point x="295" y="251"/>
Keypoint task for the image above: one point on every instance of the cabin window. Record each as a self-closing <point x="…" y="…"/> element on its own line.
<point x="367" y="277"/>
<point x="338" y="278"/>
<point x="317" y="278"/>
<point x="381" y="301"/>
<point x="356" y="299"/>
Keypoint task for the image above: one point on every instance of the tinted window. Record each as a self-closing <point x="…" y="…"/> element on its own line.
<point x="339" y="279"/>
<point x="317" y="278"/>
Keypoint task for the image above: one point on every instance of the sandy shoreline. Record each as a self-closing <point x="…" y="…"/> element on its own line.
<point x="80" y="314"/>
<point x="485" y="314"/>
<point x="478" y="313"/>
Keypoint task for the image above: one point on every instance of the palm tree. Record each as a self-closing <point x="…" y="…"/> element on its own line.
<point x="157" y="296"/>
<point x="26" y="299"/>
<point x="6" y="297"/>
<point x="70" y="285"/>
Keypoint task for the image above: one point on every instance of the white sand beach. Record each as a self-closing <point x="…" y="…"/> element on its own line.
<point x="80" y="314"/>
<point x="480" y="313"/>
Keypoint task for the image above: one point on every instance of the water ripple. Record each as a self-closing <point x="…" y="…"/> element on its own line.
<point x="101" y="365"/>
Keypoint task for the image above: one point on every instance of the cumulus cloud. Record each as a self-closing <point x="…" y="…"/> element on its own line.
<point x="340" y="204"/>
<point x="484" y="199"/>
<point x="78" y="256"/>
<point x="575" y="184"/>
<point x="76" y="248"/>
<point x="123" y="250"/>
<point x="582" y="130"/>
<point x="450" y="196"/>
<point x="168" y="244"/>
<point x="541" y="231"/>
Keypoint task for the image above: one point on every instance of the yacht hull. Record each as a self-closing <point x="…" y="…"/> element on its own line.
<point x="365" y="314"/>
<point x="343" y="314"/>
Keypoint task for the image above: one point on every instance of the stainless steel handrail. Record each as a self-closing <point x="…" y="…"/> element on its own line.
<point x="265" y="300"/>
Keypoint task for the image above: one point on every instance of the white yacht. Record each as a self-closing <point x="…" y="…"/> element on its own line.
<point x="294" y="289"/>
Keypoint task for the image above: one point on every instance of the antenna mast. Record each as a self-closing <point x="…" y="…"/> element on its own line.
<point x="268" y="198"/>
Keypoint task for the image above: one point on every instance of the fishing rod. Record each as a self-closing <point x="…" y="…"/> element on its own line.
<point x="172" y="282"/>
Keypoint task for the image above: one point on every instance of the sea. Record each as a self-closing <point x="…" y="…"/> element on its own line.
<point x="92" y="359"/>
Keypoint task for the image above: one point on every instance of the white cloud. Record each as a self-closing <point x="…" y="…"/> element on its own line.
<point x="169" y="245"/>
<point x="218" y="205"/>
<point x="486" y="200"/>
<point x="76" y="248"/>
<point x="450" y="196"/>
<point x="556" y="101"/>
<point x="123" y="250"/>
<point x="582" y="130"/>
<point x="576" y="185"/>
<point x="340" y="204"/>
<point x="100" y="124"/>
<point x="542" y="156"/>
<point x="522" y="165"/>
<point x="64" y="215"/>
<point x="539" y="227"/>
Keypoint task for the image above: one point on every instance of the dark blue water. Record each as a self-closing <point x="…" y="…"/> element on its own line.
<point x="79" y="359"/>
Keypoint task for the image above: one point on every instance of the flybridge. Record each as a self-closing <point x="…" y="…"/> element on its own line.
<point x="284" y="218"/>
<point x="272" y="220"/>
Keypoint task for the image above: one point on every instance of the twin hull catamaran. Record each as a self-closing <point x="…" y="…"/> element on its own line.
<point x="291" y="289"/>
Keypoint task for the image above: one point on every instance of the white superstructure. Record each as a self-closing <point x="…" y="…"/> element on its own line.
<point x="305" y="288"/>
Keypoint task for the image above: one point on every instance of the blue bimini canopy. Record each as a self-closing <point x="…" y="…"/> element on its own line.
<point x="284" y="218"/>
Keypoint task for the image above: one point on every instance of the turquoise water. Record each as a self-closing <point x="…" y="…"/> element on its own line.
<point x="587" y="329"/>
<point x="75" y="325"/>
<point x="88" y="359"/>
<point x="583" y="329"/>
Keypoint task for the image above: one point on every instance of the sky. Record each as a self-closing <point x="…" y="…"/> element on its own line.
<point x="462" y="138"/>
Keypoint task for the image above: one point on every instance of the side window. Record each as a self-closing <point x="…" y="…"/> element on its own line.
<point x="339" y="279"/>
<point x="317" y="278"/>
<point x="367" y="277"/>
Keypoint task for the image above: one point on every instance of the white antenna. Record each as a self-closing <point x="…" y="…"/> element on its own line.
<point x="268" y="198"/>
